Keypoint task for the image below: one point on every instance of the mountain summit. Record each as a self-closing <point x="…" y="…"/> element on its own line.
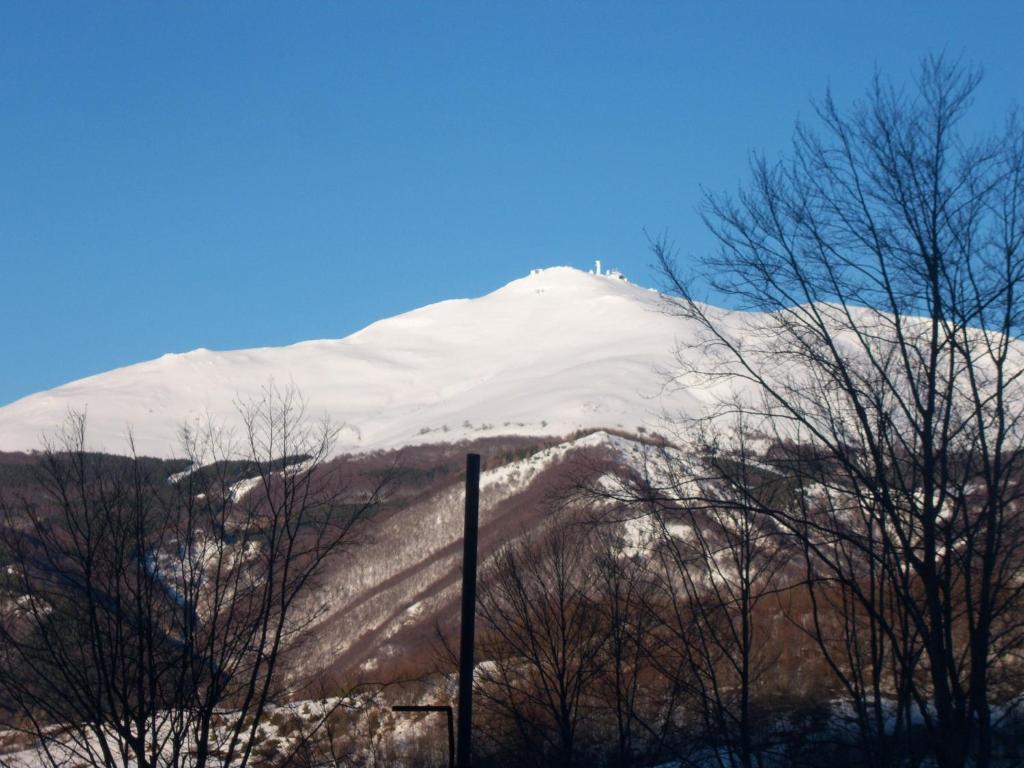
<point x="556" y="351"/>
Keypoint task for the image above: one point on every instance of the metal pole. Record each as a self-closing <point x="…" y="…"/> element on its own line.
<point x="465" y="732"/>
<point x="451" y="738"/>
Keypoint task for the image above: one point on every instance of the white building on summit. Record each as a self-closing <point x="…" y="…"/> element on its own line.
<point x="614" y="274"/>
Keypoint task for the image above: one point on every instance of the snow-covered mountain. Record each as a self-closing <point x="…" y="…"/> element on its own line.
<point x="553" y="352"/>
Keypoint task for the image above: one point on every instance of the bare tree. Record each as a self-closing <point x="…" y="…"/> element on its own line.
<point x="716" y="566"/>
<point x="860" y="626"/>
<point x="540" y="645"/>
<point x="884" y="261"/>
<point x="145" y="621"/>
<point x="628" y="684"/>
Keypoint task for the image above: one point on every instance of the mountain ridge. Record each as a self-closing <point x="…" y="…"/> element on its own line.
<point x="547" y="354"/>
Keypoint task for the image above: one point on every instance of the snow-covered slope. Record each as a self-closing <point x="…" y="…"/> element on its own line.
<point x="555" y="351"/>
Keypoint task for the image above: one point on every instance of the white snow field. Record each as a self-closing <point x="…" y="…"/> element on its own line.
<point x="550" y="353"/>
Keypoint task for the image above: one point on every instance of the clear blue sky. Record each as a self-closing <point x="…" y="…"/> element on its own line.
<point x="224" y="175"/>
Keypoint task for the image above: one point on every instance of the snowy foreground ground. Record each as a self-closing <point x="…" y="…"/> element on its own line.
<point x="288" y="727"/>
